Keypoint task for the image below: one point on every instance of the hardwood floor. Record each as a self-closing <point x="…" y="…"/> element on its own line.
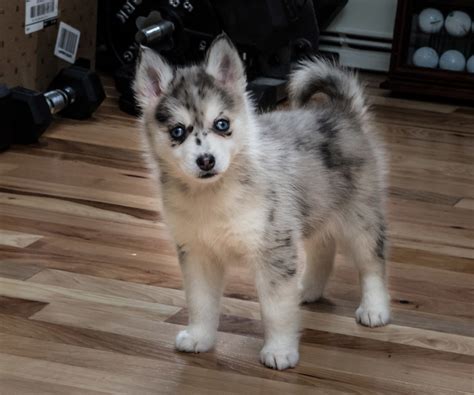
<point x="90" y="289"/>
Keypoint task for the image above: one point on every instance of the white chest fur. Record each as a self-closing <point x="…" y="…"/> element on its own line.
<point x="228" y="223"/>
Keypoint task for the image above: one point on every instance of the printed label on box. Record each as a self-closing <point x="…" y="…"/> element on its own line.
<point x="39" y="14"/>
<point x="67" y="42"/>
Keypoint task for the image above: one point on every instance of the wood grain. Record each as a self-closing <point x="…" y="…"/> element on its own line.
<point x="17" y="239"/>
<point x="465" y="203"/>
<point x="10" y="269"/>
<point x="90" y="288"/>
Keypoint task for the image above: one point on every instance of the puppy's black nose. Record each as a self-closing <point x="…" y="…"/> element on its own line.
<point x="206" y="162"/>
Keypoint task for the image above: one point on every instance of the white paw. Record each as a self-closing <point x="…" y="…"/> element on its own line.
<point x="279" y="357"/>
<point x="311" y="295"/>
<point x="373" y="315"/>
<point x="192" y="341"/>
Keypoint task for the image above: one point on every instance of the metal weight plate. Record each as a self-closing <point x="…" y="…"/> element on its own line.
<point x="194" y="26"/>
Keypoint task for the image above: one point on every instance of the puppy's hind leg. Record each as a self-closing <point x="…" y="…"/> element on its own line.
<point x="367" y="246"/>
<point x="320" y="253"/>
<point x="203" y="283"/>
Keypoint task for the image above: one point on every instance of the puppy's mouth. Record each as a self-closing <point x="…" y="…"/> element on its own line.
<point x="207" y="175"/>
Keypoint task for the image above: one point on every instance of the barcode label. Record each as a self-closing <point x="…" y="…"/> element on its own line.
<point x="40" y="13"/>
<point x="41" y="9"/>
<point x="67" y="42"/>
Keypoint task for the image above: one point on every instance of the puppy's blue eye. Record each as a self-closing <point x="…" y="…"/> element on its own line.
<point x="178" y="133"/>
<point x="222" y="125"/>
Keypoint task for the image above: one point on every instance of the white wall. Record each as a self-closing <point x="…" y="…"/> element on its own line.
<point x="374" y="18"/>
<point x="362" y="23"/>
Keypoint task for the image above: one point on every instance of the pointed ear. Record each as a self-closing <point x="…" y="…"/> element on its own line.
<point x="223" y="62"/>
<point x="152" y="77"/>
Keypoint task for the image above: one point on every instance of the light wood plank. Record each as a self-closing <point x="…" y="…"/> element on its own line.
<point x="17" y="239"/>
<point x="467" y="204"/>
<point x="242" y="348"/>
<point x="61" y="206"/>
<point x="312" y="320"/>
<point x="10" y="269"/>
<point x="7" y="167"/>
<point x="16" y="384"/>
<point x="135" y="375"/>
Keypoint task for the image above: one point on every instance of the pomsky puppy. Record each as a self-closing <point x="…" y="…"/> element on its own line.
<point x="276" y="191"/>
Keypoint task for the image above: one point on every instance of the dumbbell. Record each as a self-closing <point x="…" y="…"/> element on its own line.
<point x="76" y="92"/>
<point x="6" y="134"/>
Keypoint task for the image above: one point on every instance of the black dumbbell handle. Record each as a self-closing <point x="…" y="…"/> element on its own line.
<point x="58" y="99"/>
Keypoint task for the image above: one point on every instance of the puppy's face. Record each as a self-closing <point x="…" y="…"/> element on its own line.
<point x="195" y="117"/>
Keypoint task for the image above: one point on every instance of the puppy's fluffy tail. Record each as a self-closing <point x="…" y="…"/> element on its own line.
<point x="321" y="76"/>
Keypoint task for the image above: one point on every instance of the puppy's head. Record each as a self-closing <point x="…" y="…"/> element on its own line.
<point x="195" y="117"/>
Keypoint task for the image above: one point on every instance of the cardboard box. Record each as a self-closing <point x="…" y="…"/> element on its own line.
<point x="28" y="59"/>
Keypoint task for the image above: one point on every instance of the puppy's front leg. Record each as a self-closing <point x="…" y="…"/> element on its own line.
<point x="279" y="299"/>
<point x="203" y="282"/>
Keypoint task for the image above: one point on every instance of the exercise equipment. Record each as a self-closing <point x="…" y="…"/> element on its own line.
<point x="6" y="131"/>
<point x="269" y="35"/>
<point x="76" y="92"/>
